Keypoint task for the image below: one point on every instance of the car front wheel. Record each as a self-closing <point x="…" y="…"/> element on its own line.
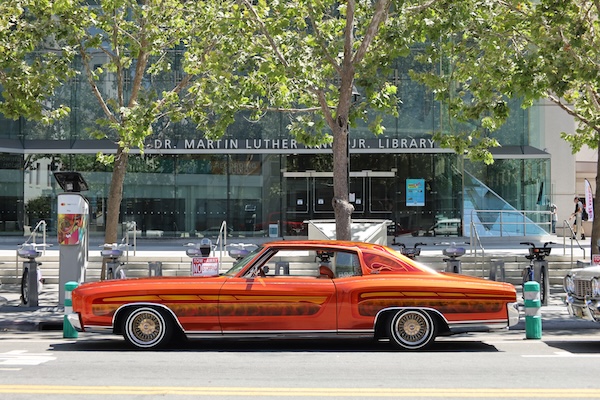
<point x="412" y="329"/>
<point x="147" y="328"/>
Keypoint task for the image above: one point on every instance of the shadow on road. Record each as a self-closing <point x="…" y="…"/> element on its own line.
<point x="576" y="346"/>
<point x="272" y="345"/>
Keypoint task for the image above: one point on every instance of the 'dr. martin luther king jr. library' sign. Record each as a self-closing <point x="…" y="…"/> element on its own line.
<point x="284" y="145"/>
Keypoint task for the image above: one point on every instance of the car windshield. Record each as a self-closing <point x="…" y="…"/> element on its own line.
<point x="241" y="264"/>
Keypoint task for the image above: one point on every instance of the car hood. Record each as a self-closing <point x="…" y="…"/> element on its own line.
<point x="147" y="283"/>
<point x="585" y="273"/>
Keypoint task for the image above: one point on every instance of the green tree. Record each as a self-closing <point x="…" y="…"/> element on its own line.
<point x="307" y="57"/>
<point x="491" y="51"/>
<point x="123" y="49"/>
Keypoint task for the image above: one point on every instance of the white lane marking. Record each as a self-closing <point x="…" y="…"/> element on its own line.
<point x="562" y="354"/>
<point x="22" y="357"/>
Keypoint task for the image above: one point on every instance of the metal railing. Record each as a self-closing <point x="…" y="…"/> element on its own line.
<point x="573" y="238"/>
<point x="512" y="222"/>
<point x="221" y="240"/>
<point x="474" y="243"/>
<point x="130" y="226"/>
<point x="42" y="227"/>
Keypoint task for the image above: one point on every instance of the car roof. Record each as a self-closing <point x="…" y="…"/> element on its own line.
<point x="325" y="243"/>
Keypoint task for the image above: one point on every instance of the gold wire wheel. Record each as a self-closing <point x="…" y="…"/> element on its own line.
<point x="412" y="329"/>
<point x="146" y="327"/>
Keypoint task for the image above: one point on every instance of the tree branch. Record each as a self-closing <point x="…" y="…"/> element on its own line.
<point x="90" y="78"/>
<point x="556" y="100"/>
<point x="320" y="40"/>
<point x="264" y="30"/>
<point x="379" y="17"/>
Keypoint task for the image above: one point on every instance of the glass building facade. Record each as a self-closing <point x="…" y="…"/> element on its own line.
<point x="258" y="176"/>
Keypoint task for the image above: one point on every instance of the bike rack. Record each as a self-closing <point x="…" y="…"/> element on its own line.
<point x="112" y="252"/>
<point x="410" y="252"/>
<point x="30" y="252"/>
<point x="539" y="264"/>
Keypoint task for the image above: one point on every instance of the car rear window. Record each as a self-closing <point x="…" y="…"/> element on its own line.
<point x="381" y="264"/>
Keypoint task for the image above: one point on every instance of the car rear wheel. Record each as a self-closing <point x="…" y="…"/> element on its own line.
<point x="412" y="329"/>
<point x="147" y="328"/>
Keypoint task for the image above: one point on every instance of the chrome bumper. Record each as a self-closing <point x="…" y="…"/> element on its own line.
<point x="584" y="309"/>
<point x="75" y="322"/>
<point x="513" y="313"/>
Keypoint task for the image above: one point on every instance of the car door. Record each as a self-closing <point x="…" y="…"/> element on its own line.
<point x="289" y="298"/>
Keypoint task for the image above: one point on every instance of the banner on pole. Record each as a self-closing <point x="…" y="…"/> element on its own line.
<point x="589" y="200"/>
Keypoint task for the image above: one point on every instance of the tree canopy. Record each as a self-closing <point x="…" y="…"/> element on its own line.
<point x="305" y="58"/>
<point x="122" y="49"/>
<point x="495" y="50"/>
<point x="309" y="59"/>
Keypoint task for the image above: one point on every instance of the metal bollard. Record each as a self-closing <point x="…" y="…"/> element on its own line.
<point x="497" y="272"/>
<point x="154" y="268"/>
<point x="533" y="314"/>
<point x="68" y="330"/>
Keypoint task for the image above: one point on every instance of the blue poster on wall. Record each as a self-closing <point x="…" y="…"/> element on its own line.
<point x="415" y="192"/>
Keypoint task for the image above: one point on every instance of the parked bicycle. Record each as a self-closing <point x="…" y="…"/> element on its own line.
<point x="537" y="270"/>
<point x="32" y="281"/>
<point x="114" y="267"/>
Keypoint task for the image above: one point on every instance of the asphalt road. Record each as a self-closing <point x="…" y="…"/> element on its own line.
<point x="43" y="365"/>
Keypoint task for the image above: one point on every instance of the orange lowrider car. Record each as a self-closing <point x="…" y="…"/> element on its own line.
<point x="300" y="288"/>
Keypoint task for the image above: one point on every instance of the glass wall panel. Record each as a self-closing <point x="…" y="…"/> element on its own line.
<point x="9" y="128"/>
<point x="11" y="194"/>
<point x="513" y="185"/>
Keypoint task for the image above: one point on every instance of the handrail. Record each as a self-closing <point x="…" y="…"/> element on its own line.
<point x="222" y="239"/>
<point x="128" y="225"/>
<point x="474" y="237"/>
<point x="32" y="235"/>
<point x="572" y="235"/>
<point x="525" y="222"/>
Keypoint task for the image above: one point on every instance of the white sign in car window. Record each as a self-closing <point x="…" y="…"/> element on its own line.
<point x="205" y="266"/>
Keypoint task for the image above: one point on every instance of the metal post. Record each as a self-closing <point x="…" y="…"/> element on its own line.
<point x="533" y="314"/>
<point x="68" y="330"/>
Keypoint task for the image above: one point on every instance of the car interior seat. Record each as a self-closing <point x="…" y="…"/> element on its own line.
<point x="325" y="272"/>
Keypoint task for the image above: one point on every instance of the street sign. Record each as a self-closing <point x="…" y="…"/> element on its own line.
<point x="205" y="266"/>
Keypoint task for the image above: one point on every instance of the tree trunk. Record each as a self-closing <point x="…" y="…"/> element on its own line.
<point x="595" y="234"/>
<point x="341" y="177"/>
<point x="115" y="196"/>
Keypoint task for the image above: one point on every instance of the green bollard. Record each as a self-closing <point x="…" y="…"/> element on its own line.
<point x="533" y="314"/>
<point x="68" y="330"/>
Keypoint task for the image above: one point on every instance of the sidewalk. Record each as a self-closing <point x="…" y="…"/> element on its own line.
<point x="16" y="317"/>
<point x="49" y="316"/>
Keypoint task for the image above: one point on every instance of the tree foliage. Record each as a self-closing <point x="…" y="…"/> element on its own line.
<point x="303" y="58"/>
<point x="494" y="50"/>
<point x="307" y="58"/>
<point x="122" y="49"/>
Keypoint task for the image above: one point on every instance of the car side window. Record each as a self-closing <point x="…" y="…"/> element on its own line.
<point x="377" y="263"/>
<point x="290" y="263"/>
<point x="322" y="264"/>
<point x="347" y="264"/>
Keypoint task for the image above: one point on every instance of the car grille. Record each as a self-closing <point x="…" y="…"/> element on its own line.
<point x="583" y="288"/>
